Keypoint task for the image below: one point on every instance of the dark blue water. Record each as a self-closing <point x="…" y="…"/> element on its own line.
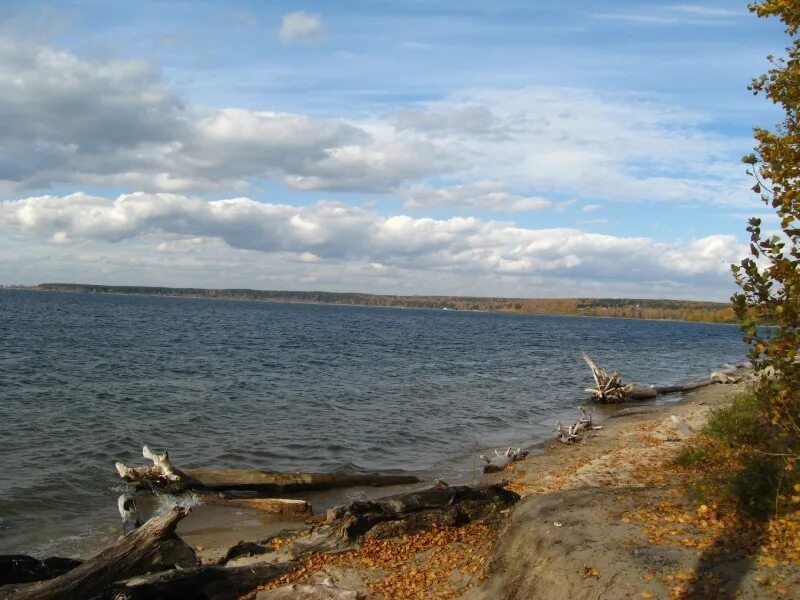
<point x="85" y="380"/>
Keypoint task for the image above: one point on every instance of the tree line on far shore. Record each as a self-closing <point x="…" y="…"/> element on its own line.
<point x="682" y="310"/>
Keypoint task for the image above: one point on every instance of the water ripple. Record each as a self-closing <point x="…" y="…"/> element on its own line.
<point x="86" y="380"/>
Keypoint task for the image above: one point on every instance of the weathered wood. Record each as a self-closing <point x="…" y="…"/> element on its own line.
<point x="501" y="460"/>
<point x="282" y="506"/>
<point x="19" y="568"/>
<point x="152" y="547"/>
<point x="609" y="388"/>
<point x="162" y="471"/>
<point x="164" y="476"/>
<point x="274" y="481"/>
<point x="200" y="583"/>
<point x="642" y="392"/>
<point x="715" y="377"/>
<point x="412" y="511"/>
<point x="574" y="433"/>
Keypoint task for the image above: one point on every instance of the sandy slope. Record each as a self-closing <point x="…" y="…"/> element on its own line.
<point x="612" y="518"/>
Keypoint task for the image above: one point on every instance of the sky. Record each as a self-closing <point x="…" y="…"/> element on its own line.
<point x="510" y="148"/>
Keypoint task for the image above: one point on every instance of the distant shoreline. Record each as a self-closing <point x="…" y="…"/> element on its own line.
<point x="635" y="309"/>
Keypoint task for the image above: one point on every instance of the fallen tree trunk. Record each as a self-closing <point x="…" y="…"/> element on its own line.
<point x="165" y="477"/>
<point x="421" y="509"/>
<point x="152" y="547"/>
<point x="715" y="377"/>
<point x="642" y="392"/>
<point x="273" y="481"/>
<point x="502" y="459"/>
<point x="200" y="583"/>
<point x="610" y="389"/>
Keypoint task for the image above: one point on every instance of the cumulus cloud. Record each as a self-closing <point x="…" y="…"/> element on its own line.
<point x="300" y="26"/>
<point x="58" y="112"/>
<point x="479" y="195"/>
<point x="66" y="120"/>
<point x="349" y="236"/>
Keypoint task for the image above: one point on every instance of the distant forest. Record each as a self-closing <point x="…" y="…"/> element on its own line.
<point x="683" y="310"/>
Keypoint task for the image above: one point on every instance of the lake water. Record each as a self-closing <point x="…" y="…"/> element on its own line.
<point x="85" y="380"/>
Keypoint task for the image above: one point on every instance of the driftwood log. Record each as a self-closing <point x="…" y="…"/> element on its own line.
<point x="385" y="517"/>
<point x="152" y="547"/>
<point x="610" y="389"/>
<point x="288" y="507"/>
<point x="164" y="476"/>
<point x="413" y="511"/>
<point x="200" y="583"/>
<point x="501" y="460"/>
<point x="574" y="432"/>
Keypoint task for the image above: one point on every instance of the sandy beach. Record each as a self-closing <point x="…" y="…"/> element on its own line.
<point x="610" y="517"/>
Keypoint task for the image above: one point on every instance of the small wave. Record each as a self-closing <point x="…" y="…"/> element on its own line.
<point x="165" y="502"/>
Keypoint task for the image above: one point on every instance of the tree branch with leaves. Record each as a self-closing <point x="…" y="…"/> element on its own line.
<point x="770" y="277"/>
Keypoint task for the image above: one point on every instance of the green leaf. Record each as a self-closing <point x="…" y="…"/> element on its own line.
<point x="749" y="159"/>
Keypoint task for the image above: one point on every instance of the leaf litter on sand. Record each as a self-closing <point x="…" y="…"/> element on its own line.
<point x="442" y="562"/>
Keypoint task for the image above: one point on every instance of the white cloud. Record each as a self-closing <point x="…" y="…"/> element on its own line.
<point x="579" y="142"/>
<point x="676" y="14"/>
<point x="330" y="236"/>
<point x="588" y="208"/>
<point x="116" y="123"/>
<point x="708" y="11"/>
<point x="300" y="26"/>
<point x="479" y="195"/>
<point x="65" y="120"/>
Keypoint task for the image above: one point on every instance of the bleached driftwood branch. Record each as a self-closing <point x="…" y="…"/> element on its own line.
<point x="574" y="432"/>
<point x="162" y="471"/>
<point x="610" y="389"/>
<point x="501" y="460"/>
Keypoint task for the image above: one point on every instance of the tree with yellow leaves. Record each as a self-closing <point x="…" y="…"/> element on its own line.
<point x="770" y="278"/>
